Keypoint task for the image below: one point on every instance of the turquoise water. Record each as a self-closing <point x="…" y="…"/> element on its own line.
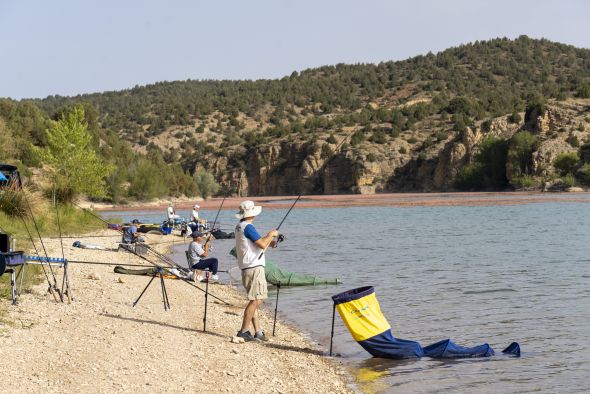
<point x="474" y="274"/>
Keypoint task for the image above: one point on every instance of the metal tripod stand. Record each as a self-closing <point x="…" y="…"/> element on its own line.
<point x="160" y="273"/>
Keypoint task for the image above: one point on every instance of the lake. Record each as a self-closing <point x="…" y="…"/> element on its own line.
<point x="475" y="274"/>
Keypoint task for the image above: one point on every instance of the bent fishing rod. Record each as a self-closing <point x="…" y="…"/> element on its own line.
<point x="281" y="223"/>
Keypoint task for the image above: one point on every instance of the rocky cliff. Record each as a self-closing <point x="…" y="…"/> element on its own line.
<point x="414" y="161"/>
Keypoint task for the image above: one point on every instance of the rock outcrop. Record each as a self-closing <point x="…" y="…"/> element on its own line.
<point x="413" y="162"/>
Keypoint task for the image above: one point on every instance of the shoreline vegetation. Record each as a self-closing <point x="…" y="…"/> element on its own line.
<point x="100" y="343"/>
<point x="350" y="200"/>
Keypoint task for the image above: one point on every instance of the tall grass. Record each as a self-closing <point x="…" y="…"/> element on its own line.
<point x="14" y="210"/>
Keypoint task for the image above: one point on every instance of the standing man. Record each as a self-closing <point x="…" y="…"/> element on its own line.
<point x="172" y="216"/>
<point x="195" y="213"/>
<point x="249" y="246"/>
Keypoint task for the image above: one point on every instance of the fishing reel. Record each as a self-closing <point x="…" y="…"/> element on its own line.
<point x="280" y="238"/>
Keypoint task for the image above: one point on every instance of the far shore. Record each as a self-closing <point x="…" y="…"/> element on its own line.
<point x="359" y="200"/>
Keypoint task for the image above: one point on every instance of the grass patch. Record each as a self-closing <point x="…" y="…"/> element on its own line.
<point x="72" y="221"/>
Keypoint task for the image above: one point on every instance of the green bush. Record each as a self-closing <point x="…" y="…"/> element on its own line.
<point x="371" y="158"/>
<point x="535" y="107"/>
<point x="564" y="162"/>
<point x="357" y="138"/>
<point x="520" y="152"/>
<point x="402" y="150"/>
<point x="584" y="91"/>
<point x="442" y="135"/>
<point x="470" y="177"/>
<point x="331" y="139"/>
<point x="573" y="141"/>
<point x="378" y="137"/>
<point x="412" y="140"/>
<point x="569" y="180"/>
<point x="514" y="117"/>
<point x="584" y="174"/>
<point x="525" y="181"/>
<point x="206" y="183"/>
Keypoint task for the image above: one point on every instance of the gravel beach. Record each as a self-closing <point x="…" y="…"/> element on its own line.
<point x="100" y="343"/>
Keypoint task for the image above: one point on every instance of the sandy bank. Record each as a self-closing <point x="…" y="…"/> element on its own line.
<point x="100" y="343"/>
<point x="348" y="200"/>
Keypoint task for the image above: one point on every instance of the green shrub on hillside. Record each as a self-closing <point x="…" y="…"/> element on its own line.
<point x="379" y="137"/>
<point x="206" y="183"/>
<point x="489" y="169"/>
<point x="470" y="177"/>
<point x="520" y="152"/>
<point x="525" y="181"/>
<point x="357" y="138"/>
<point x="584" y="174"/>
<point x="535" y="107"/>
<point x="514" y="117"/>
<point x="569" y="180"/>
<point x="573" y="140"/>
<point x="584" y="91"/>
<point x="564" y="162"/>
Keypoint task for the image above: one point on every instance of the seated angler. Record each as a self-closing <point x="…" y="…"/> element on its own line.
<point x="196" y="254"/>
<point x="130" y="234"/>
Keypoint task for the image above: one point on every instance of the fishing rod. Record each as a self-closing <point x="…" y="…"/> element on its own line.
<point x="115" y="264"/>
<point x="84" y="236"/>
<point x="43" y="245"/>
<point x="154" y="264"/>
<point x="281" y="223"/>
<point x="38" y="255"/>
<point x="65" y="280"/>
<point x="218" y="211"/>
<point x="148" y="247"/>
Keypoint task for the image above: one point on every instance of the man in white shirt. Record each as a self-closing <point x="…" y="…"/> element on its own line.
<point x="249" y="247"/>
<point x="195" y="213"/>
<point x="171" y="213"/>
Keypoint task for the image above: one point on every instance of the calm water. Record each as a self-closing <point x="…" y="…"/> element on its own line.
<point x="473" y="274"/>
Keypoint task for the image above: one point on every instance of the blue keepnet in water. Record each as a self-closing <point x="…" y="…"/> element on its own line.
<point x="362" y="315"/>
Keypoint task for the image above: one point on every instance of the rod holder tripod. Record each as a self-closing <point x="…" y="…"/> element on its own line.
<point x="159" y="273"/>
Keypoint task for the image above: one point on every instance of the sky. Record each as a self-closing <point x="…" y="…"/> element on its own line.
<point x="70" y="47"/>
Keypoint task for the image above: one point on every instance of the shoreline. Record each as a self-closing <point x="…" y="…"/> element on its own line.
<point x="363" y="200"/>
<point x="101" y="343"/>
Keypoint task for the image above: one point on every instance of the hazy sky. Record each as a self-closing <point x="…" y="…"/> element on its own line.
<point x="69" y="47"/>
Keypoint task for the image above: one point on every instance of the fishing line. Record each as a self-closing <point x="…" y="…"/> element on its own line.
<point x="281" y="223"/>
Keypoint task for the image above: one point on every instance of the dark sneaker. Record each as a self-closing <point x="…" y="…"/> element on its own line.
<point x="246" y="335"/>
<point x="261" y="337"/>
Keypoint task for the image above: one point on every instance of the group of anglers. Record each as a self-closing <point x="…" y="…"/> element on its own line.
<point x="250" y="247"/>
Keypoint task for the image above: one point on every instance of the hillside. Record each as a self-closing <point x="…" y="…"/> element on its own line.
<point x="417" y="124"/>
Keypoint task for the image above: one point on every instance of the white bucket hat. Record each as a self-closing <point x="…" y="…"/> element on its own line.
<point x="197" y="206"/>
<point x="248" y="209"/>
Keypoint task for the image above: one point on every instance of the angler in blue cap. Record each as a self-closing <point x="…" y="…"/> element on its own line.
<point x="198" y="254"/>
